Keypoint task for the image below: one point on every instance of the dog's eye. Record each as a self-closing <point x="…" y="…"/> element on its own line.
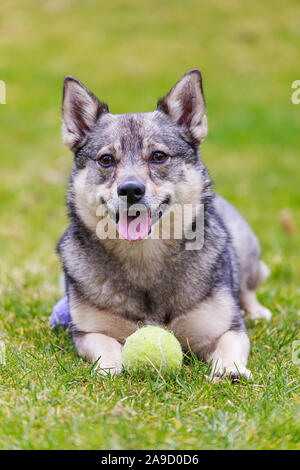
<point x="106" y="160"/>
<point x="158" y="157"/>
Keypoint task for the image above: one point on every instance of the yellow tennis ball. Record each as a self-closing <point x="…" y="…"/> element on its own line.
<point x="152" y="349"/>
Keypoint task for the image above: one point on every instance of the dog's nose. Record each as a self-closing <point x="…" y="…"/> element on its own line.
<point x="133" y="190"/>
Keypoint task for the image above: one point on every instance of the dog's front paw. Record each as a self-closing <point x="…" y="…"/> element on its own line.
<point x="106" y="369"/>
<point x="233" y="373"/>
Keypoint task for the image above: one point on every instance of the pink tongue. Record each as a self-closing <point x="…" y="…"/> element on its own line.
<point x="132" y="228"/>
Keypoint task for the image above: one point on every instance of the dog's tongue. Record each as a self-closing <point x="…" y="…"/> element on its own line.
<point x="134" y="228"/>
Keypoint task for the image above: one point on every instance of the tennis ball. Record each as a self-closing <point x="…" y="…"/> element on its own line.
<point x="152" y="349"/>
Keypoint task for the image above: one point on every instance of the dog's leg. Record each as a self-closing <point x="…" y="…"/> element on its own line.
<point x="249" y="302"/>
<point x="96" y="346"/>
<point x="229" y="358"/>
<point x="208" y="331"/>
<point x="98" y="334"/>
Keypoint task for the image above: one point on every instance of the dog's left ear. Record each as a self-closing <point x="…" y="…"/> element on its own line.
<point x="185" y="105"/>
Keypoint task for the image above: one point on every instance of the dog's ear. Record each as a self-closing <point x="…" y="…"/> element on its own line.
<point x="80" y="111"/>
<point x="185" y="105"/>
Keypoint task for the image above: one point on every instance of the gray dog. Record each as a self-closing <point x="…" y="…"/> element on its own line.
<point x="116" y="284"/>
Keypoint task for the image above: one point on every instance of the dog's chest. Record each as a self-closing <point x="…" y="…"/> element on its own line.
<point x="155" y="292"/>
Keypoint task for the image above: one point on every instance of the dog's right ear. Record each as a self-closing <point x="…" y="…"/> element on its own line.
<point x="80" y="111"/>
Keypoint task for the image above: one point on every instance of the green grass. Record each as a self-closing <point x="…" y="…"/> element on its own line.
<point x="130" y="53"/>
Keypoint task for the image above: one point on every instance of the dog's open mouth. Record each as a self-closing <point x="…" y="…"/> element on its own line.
<point x="134" y="227"/>
<point x="135" y="223"/>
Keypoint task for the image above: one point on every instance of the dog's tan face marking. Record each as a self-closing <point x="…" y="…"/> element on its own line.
<point x="85" y="196"/>
<point x="88" y="195"/>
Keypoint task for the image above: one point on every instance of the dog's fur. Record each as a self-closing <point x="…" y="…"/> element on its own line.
<point x="114" y="285"/>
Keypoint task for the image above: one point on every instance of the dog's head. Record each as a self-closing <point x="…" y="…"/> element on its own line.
<point x="148" y="159"/>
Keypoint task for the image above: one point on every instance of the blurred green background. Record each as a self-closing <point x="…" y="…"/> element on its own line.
<point x="129" y="53"/>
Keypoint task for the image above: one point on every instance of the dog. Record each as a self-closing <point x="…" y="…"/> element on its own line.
<point x="117" y="284"/>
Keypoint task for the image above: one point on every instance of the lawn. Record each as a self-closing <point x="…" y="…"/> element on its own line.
<point x="130" y="53"/>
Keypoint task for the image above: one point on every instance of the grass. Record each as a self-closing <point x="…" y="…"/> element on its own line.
<point x="130" y="53"/>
